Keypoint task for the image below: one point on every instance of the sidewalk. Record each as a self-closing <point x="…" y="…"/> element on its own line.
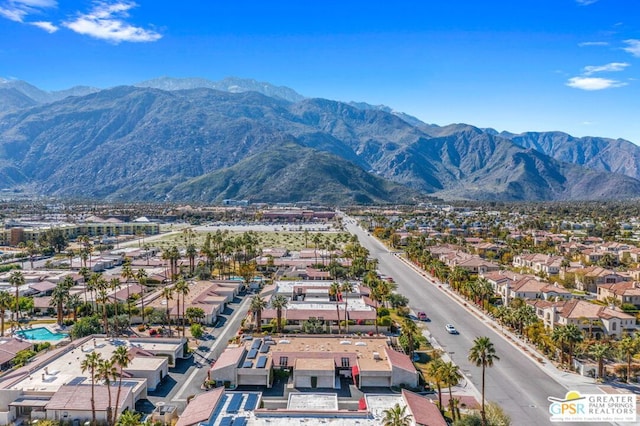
<point x="571" y="381"/>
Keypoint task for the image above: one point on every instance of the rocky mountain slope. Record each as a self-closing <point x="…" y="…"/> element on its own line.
<point x="200" y="144"/>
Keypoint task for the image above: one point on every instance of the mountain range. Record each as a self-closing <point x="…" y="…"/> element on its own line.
<point x="196" y="140"/>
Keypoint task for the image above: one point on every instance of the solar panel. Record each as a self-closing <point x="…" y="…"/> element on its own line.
<point x="234" y="404"/>
<point x="240" y="421"/>
<point x="76" y="381"/>
<point x="264" y="349"/>
<point x="256" y="344"/>
<point x="226" y="421"/>
<point x="252" y="402"/>
<point x="252" y="354"/>
<point x="262" y="362"/>
<point x="247" y="364"/>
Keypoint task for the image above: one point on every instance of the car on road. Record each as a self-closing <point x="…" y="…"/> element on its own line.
<point x="422" y="316"/>
<point x="451" y="329"/>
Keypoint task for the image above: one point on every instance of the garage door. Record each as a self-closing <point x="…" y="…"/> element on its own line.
<point x="252" y="380"/>
<point x="303" y="381"/>
<point x="375" y="381"/>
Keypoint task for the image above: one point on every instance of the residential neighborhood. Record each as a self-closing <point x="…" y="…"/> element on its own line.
<point x="215" y="326"/>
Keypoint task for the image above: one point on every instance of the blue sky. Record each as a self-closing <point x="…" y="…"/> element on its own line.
<point x="526" y="65"/>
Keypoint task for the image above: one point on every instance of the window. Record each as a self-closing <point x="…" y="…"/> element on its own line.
<point x="345" y="361"/>
<point x="284" y="361"/>
<point x="614" y="326"/>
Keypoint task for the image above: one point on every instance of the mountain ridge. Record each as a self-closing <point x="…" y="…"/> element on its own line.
<point x="133" y="142"/>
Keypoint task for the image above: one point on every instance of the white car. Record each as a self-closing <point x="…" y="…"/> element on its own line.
<point x="451" y="329"/>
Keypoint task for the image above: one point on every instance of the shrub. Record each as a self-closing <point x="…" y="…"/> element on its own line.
<point x="383" y="312"/>
<point x="153" y="332"/>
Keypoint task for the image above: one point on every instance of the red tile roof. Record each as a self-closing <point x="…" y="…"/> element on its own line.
<point x="200" y="408"/>
<point x="399" y="360"/>
<point x="423" y="410"/>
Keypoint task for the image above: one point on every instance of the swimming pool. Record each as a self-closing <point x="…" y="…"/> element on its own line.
<point x="40" y="333"/>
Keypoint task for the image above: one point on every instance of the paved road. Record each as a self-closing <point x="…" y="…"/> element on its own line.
<point x="186" y="380"/>
<point x="515" y="382"/>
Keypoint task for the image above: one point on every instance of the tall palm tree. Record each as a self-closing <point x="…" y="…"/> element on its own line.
<point x="120" y="357"/>
<point x="279" y="302"/>
<point x="128" y="274"/>
<point x="450" y="375"/>
<point x="167" y="293"/>
<point x="628" y="347"/>
<point x="85" y="273"/>
<point x="434" y="371"/>
<point x="257" y="305"/>
<point x="483" y="354"/>
<point x="191" y="253"/>
<point x="91" y="363"/>
<point x="106" y="372"/>
<point x="573" y="335"/>
<point x="409" y="329"/>
<point x="396" y="416"/>
<point x="73" y="303"/>
<point x="182" y="288"/>
<point x="600" y="351"/>
<point x="114" y="284"/>
<point x="345" y="288"/>
<point x="141" y="276"/>
<point x="60" y="297"/>
<point x="5" y="303"/>
<point x="334" y="291"/>
<point x="17" y="280"/>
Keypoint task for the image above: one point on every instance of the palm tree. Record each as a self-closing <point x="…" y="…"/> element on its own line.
<point x="483" y="354"/>
<point x="114" y="284"/>
<point x="182" y="288"/>
<point x="346" y="287"/>
<point x="59" y="297"/>
<point x="450" y="376"/>
<point x="141" y="276"/>
<point x="628" y="347"/>
<point x="86" y="275"/>
<point x="279" y="302"/>
<point x="70" y="254"/>
<point x="128" y="274"/>
<point x="191" y="254"/>
<point x="167" y="293"/>
<point x="91" y="363"/>
<point x="5" y="303"/>
<point x="257" y="305"/>
<point x="409" y="329"/>
<point x="120" y="357"/>
<point x="334" y="292"/>
<point x="600" y="351"/>
<point x="16" y="279"/>
<point x="73" y="303"/>
<point x="434" y="370"/>
<point x="107" y="372"/>
<point x="396" y="416"/>
<point x="572" y="335"/>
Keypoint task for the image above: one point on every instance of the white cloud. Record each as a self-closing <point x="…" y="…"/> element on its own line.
<point x="585" y="2"/>
<point x="47" y="26"/>
<point x="107" y="22"/>
<point x="593" y="43"/>
<point x="593" y="83"/>
<point x="633" y="47"/>
<point x="17" y="10"/>
<point x="611" y="67"/>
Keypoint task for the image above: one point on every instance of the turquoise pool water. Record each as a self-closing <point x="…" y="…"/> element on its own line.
<point x="40" y="333"/>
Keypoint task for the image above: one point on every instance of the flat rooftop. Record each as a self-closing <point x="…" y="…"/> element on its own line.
<point x="65" y="368"/>
<point x="313" y="402"/>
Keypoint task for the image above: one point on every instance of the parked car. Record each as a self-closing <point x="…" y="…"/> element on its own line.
<point x="422" y="316"/>
<point x="451" y="329"/>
